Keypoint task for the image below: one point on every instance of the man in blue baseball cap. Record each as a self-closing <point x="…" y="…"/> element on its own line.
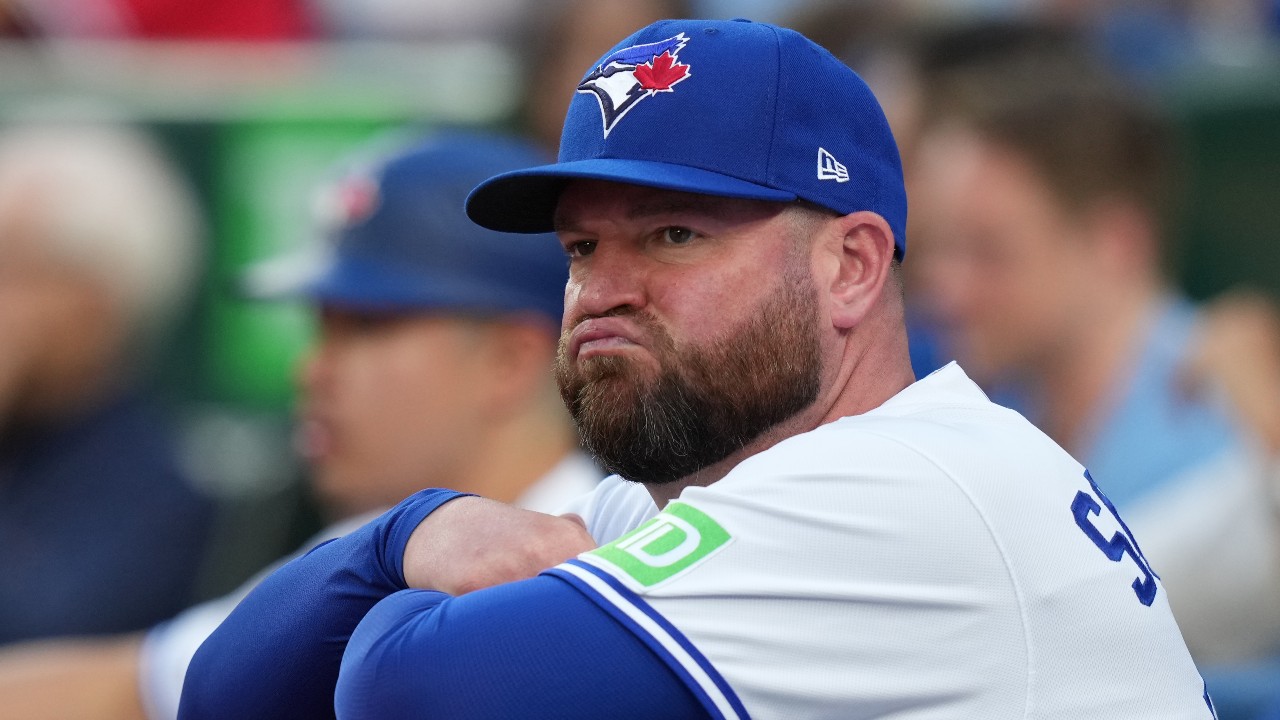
<point x="795" y="526"/>
<point x="436" y="339"/>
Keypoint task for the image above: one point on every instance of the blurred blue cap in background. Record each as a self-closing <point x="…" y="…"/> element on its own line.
<point x="400" y="239"/>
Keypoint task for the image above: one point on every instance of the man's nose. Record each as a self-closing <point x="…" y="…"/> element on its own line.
<point x="609" y="279"/>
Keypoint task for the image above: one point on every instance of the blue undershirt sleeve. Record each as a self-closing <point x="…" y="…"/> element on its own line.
<point x="532" y="649"/>
<point x="277" y="655"/>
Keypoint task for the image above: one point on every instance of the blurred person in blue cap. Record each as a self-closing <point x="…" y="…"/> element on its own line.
<point x="795" y="526"/>
<point x="432" y="367"/>
<point x="433" y="358"/>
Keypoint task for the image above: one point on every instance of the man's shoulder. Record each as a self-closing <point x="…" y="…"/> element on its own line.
<point x="946" y="397"/>
<point x="616" y="506"/>
<point x="921" y="459"/>
<point x="942" y="423"/>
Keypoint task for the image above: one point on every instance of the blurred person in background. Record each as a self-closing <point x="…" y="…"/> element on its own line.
<point x="432" y="367"/>
<point x="1040" y="187"/>
<point x="434" y="357"/>
<point x="100" y="531"/>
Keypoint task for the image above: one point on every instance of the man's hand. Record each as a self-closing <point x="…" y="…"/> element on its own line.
<point x="1239" y="350"/>
<point x="472" y="543"/>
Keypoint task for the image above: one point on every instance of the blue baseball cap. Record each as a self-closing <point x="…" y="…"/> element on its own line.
<point x="718" y="107"/>
<point x="403" y="243"/>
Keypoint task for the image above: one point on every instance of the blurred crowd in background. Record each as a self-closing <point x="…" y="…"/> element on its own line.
<point x="1094" y="234"/>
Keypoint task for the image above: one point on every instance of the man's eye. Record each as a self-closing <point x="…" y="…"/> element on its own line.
<point x="581" y="248"/>
<point x="678" y="235"/>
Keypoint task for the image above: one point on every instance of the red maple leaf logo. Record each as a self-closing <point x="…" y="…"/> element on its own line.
<point x="357" y="197"/>
<point x="661" y="73"/>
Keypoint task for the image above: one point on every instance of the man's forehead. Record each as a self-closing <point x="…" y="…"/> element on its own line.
<point x="583" y="200"/>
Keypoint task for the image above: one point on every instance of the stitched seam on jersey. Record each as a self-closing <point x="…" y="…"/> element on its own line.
<point x="666" y="641"/>
<point x="995" y="541"/>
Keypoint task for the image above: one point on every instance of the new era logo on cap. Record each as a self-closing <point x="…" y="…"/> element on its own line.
<point x="831" y="169"/>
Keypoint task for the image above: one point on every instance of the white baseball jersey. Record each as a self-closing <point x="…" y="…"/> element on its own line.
<point x="937" y="557"/>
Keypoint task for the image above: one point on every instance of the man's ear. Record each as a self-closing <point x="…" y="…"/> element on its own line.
<point x="862" y="269"/>
<point x="1125" y="234"/>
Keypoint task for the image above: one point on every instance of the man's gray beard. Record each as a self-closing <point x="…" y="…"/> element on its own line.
<point x="707" y="402"/>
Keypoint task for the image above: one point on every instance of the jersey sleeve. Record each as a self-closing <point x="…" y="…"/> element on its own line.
<point x="167" y="648"/>
<point x="277" y="654"/>
<point x="538" y="648"/>
<point x="167" y="651"/>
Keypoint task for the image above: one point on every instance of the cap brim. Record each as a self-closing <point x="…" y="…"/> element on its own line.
<point x="369" y="285"/>
<point x="364" y="285"/>
<point x="284" y="277"/>
<point x="524" y="201"/>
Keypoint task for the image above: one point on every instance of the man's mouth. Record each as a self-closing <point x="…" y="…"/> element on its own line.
<point x="603" y="336"/>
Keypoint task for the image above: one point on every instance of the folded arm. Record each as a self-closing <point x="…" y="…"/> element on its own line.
<point x="277" y="654"/>
<point x="533" y="649"/>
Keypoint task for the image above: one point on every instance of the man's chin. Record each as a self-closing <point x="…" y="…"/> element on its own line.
<point x="611" y="379"/>
<point x="627" y="367"/>
<point x="622" y="387"/>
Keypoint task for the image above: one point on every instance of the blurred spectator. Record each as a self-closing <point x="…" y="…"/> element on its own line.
<point x="1038" y="161"/>
<point x="98" y="240"/>
<point x="1041" y="183"/>
<point x="432" y="369"/>
<point x="567" y="36"/>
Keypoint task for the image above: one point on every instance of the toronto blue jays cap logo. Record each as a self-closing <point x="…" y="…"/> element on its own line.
<point x="349" y="202"/>
<point x="627" y="76"/>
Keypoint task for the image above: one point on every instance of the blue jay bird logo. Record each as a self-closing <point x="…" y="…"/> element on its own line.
<point x="624" y="78"/>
